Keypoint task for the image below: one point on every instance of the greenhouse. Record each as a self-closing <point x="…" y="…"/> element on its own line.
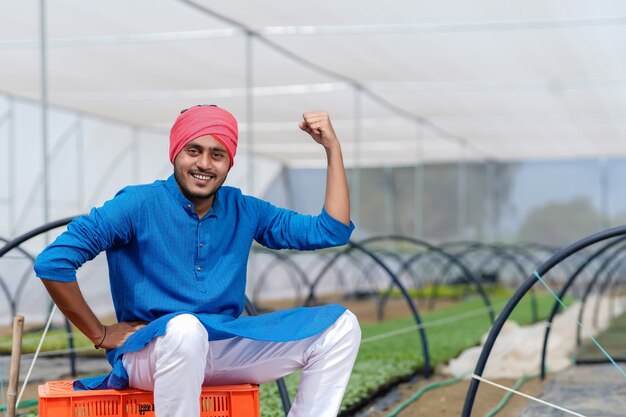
<point x="484" y="150"/>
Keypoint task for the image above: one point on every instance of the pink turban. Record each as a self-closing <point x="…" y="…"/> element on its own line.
<point x="204" y="120"/>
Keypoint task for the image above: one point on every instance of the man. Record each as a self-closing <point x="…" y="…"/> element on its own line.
<point x="177" y="252"/>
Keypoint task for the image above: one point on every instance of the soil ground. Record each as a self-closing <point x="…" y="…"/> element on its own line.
<point x="448" y="401"/>
<point x="445" y="401"/>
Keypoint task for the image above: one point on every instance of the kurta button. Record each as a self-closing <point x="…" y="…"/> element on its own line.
<point x="199" y="269"/>
<point x="201" y="245"/>
<point x="189" y="205"/>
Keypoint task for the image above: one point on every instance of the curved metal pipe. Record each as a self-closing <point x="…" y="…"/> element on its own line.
<point x="282" y="259"/>
<point x="605" y="286"/>
<point x="20" y="287"/>
<point x="365" y="268"/>
<point x="380" y="311"/>
<point x="384" y="297"/>
<point x="18" y="248"/>
<point x="11" y="301"/>
<point x="311" y="296"/>
<point x="412" y="307"/>
<point x="515" y="299"/>
<point x="588" y="289"/>
<point x="466" y="272"/>
<point x="15" y="243"/>
<point x="615" y="290"/>
<point x="498" y="253"/>
<point x="562" y="293"/>
<point x="355" y="246"/>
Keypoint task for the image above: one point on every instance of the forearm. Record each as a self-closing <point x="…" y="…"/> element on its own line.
<point x="68" y="297"/>
<point x="337" y="199"/>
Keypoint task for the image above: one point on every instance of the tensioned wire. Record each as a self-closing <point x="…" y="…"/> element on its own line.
<point x="19" y="397"/>
<point x="421" y="391"/>
<point x="495" y="410"/>
<point x="434" y="323"/>
<point x="513" y="390"/>
<point x="418" y="394"/>
<point x="530" y="397"/>
<point x="32" y="364"/>
<point x="587" y="333"/>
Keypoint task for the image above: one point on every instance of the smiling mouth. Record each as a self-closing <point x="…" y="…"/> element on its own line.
<point x="202" y="177"/>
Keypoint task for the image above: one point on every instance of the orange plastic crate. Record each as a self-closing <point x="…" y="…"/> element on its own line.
<point x="59" y="399"/>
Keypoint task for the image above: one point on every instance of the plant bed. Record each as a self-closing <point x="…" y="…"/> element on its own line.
<point x="385" y="362"/>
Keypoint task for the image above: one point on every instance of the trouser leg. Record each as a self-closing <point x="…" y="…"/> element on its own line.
<point x="173" y="367"/>
<point x="326" y="362"/>
<point x="176" y="365"/>
<point x="327" y="370"/>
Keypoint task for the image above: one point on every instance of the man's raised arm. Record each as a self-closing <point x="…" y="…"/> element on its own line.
<point x="337" y="200"/>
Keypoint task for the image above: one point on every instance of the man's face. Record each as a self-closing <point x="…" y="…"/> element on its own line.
<point x="200" y="168"/>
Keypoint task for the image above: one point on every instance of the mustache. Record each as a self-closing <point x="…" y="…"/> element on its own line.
<point x="203" y="172"/>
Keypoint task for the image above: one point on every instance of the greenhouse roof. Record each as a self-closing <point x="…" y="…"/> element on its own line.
<point x="404" y="81"/>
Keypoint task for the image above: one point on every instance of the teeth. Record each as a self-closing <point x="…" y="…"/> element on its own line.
<point x="202" y="177"/>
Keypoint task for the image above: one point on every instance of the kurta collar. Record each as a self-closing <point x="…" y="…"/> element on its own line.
<point x="172" y="187"/>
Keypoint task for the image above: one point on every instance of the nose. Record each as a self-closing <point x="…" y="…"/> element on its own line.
<point x="204" y="161"/>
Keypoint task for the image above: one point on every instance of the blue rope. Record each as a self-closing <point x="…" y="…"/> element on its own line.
<point x="556" y="297"/>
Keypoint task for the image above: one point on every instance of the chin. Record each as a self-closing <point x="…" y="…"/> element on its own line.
<point x="200" y="194"/>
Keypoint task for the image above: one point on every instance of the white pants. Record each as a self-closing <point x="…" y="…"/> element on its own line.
<point x="177" y="364"/>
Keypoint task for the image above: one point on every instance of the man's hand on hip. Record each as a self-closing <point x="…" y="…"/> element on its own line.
<point x="114" y="335"/>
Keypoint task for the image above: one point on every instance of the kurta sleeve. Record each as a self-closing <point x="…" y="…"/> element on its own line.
<point x="86" y="236"/>
<point x="279" y="228"/>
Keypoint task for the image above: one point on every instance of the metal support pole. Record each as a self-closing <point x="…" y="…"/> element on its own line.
<point x="419" y="180"/>
<point x="80" y="165"/>
<point x="250" y="110"/>
<point x="605" y="218"/>
<point x="355" y="188"/>
<point x="461" y="200"/>
<point x="287" y="185"/>
<point x="483" y="214"/>
<point x="135" y="160"/>
<point x="249" y="56"/>
<point x="44" y="113"/>
<point x="389" y="199"/>
<point x="494" y="190"/>
<point x="12" y="164"/>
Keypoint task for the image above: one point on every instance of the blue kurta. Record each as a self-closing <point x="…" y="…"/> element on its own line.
<point x="164" y="260"/>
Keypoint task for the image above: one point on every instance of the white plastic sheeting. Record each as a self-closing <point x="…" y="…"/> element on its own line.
<point x="517" y="351"/>
<point x="405" y="81"/>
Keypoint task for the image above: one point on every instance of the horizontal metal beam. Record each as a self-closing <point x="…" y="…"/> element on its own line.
<point x="316" y="30"/>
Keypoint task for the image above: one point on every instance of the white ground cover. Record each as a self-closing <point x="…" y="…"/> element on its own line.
<point x="517" y="351"/>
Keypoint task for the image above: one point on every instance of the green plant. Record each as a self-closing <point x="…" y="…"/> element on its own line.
<point x="399" y="356"/>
